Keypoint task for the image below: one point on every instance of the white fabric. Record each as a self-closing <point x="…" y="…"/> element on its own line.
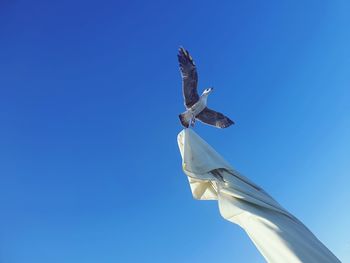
<point x="277" y="234"/>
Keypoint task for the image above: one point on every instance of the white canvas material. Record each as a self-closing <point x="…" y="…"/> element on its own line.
<point x="278" y="235"/>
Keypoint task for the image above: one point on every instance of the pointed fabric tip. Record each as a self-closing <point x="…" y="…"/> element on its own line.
<point x="194" y="145"/>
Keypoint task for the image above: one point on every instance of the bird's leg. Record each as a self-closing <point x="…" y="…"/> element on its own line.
<point x="192" y="121"/>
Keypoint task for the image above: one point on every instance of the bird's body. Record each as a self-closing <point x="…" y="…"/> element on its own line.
<point x="189" y="116"/>
<point x="196" y="107"/>
<point x="200" y="105"/>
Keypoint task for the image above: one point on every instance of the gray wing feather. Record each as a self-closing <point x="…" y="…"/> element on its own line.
<point x="214" y="118"/>
<point x="189" y="77"/>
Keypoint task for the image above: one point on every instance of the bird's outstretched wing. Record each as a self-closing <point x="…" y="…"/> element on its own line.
<point x="189" y="77"/>
<point x="214" y="118"/>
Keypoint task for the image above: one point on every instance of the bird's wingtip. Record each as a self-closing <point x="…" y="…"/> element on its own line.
<point x="182" y="50"/>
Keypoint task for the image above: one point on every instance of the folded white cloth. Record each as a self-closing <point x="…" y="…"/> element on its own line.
<point x="278" y="235"/>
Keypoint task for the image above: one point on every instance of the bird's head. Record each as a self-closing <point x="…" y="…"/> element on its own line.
<point x="207" y="91"/>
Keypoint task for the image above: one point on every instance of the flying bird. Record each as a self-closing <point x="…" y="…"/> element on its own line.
<point x="196" y="106"/>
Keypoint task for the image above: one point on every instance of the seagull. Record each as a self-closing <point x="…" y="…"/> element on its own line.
<point x="196" y="106"/>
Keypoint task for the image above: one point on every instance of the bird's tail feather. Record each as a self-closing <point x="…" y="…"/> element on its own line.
<point x="185" y="119"/>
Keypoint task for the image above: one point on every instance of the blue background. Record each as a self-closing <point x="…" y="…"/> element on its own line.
<point x="89" y="97"/>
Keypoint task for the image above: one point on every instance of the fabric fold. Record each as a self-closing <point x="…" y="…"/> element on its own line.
<point x="277" y="234"/>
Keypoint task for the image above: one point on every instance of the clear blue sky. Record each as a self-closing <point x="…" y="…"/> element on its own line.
<point x="89" y="97"/>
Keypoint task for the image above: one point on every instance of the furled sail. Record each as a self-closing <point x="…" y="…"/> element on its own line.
<point x="277" y="234"/>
